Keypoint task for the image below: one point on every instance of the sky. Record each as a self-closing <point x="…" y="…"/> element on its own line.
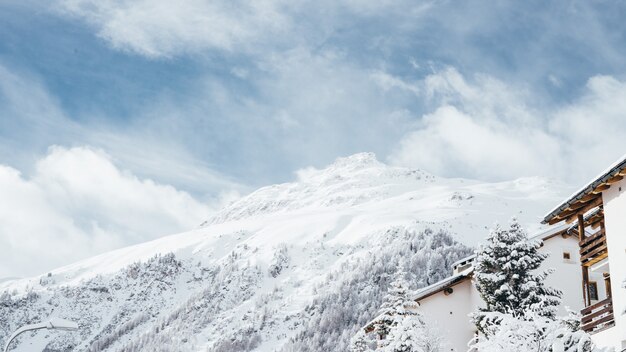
<point x="125" y="120"/>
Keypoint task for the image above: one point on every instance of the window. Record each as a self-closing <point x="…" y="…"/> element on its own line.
<point x="566" y="255"/>
<point x="593" y="290"/>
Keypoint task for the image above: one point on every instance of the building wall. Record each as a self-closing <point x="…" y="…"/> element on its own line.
<point x="615" y="222"/>
<point x="567" y="275"/>
<point x="449" y="314"/>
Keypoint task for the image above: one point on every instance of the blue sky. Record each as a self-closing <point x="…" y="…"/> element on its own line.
<point x="212" y="99"/>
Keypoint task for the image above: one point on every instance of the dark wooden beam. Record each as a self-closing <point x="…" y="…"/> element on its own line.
<point x="597" y="259"/>
<point x="601" y="188"/>
<point x="581" y="228"/>
<point x="586" y="298"/>
<point x="585" y="270"/>
<point x="588" y="197"/>
<point x="576" y="207"/>
<point x="572" y="217"/>
<point x="615" y="178"/>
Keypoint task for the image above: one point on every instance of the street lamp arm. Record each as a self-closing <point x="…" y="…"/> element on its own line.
<point x="22" y="330"/>
<point x="54" y="323"/>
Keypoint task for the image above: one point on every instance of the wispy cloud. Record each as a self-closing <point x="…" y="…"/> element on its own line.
<point x="33" y="120"/>
<point x="165" y="29"/>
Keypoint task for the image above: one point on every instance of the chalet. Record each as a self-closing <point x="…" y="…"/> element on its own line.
<point x="597" y="215"/>
<point x="448" y="303"/>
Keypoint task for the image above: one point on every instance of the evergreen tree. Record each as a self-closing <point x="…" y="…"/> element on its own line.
<point x="399" y="326"/>
<point x="396" y="304"/>
<point x="505" y="276"/>
<point x="360" y="342"/>
<point x="409" y="335"/>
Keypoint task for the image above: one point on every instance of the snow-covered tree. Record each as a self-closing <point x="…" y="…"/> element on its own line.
<point x="507" y="279"/>
<point x="360" y="342"/>
<point x="396" y="306"/>
<point x="411" y="335"/>
<point x="399" y="326"/>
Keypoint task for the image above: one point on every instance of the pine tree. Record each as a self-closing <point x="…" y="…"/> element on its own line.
<point x="399" y="325"/>
<point x="408" y="335"/>
<point x="505" y="278"/>
<point x="359" y="342"/>
<point x="396" y="304"/>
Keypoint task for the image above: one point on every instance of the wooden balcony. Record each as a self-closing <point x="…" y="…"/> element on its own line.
<point x="593" y="248"/>
<point x="598" y="316"/>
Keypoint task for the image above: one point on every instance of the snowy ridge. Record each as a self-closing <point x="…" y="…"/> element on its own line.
<point x="275" y="265"/>
<point x="348" y="181"/>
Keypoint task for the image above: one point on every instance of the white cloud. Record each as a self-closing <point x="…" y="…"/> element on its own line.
<point x="489" y="130"/>
<point x="451" y="141"/>
<point x="76" y="204"/>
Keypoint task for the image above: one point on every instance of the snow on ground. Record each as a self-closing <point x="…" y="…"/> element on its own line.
<point x="257" y="267"/>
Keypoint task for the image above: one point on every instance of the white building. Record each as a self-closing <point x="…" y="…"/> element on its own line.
<point x="447" y="304"/>
<point x="598" y="212"/>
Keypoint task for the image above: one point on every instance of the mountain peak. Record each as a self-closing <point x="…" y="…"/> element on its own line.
<point x="343" y="167"/>
<point x="348" y="181"/>
<point x="358" y="160"/>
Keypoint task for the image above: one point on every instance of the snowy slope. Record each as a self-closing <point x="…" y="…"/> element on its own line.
<point x="268" y="269"/>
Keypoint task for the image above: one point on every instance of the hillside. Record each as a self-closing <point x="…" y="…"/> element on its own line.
<point x="291" y="267"/>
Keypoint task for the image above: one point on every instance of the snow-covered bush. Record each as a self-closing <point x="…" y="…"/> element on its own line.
<point x="533" y="333"/>
<point x="412" y="335"/>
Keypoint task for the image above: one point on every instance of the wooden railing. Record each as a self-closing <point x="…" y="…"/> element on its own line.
<point x="593" y="248"/>
<point x="597" y="316"/>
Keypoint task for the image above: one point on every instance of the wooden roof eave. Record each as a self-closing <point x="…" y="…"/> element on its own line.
<point x="579" y="202"/>
<point x="590" y="200"/>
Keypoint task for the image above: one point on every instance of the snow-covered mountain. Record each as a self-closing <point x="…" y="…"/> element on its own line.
<point x="291" y="267"/>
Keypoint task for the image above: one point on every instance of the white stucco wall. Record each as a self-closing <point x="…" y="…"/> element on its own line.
<point x="449" y="314"/>
<point x="567" y="275"/>
<point x="615" y="223"/>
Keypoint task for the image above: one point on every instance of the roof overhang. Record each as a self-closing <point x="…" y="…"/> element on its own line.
<point x="590" y="196"/>
<point x="443" y="284"/>
<point x="550" y="232"/>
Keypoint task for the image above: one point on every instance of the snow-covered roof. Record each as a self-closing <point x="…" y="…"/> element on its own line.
<point x="460" y="261"/>
<point x="616" y="168"/>
<point x="549" y="232"/>
<point x="443" y="284"/>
